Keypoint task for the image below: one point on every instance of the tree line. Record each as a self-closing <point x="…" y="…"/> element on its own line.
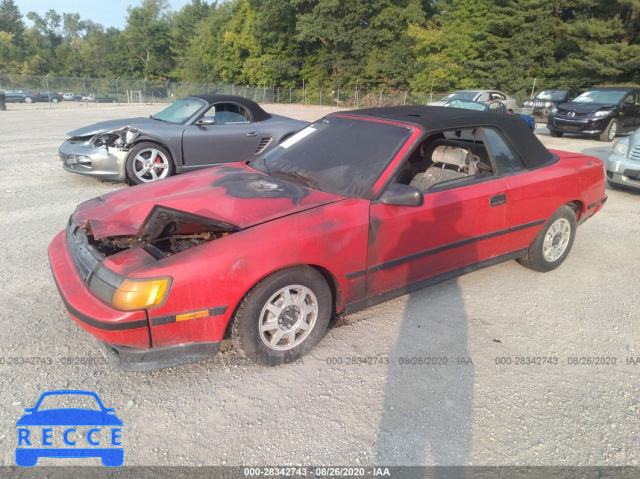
<point x="377" y="44"/>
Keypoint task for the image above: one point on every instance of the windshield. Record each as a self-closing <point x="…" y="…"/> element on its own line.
<point x="461" y="95"/>
<point x="69" y="401"/>
<point x="552" y="95"/>
<point x="601" y="96"/>
<point x="343" y="156"/>
<point x="468" y="105"/>
<point x="181" y="111"/>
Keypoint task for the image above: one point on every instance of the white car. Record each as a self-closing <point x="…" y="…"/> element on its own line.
<point x="69" y="96"/>
<point x="484" y="96"/>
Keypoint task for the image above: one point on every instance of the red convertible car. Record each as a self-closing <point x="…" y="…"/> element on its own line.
<point x="357" y="208"/>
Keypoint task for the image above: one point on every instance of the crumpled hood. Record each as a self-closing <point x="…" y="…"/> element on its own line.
<point x="234" y="194"/>
<point x="585" y="107"/>
<point x="111" y="125"/>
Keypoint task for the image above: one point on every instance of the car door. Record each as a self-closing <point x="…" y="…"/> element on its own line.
<point x="233" y="137"/>
<point x="457" y="225"/>
<point x="631" y="111"/>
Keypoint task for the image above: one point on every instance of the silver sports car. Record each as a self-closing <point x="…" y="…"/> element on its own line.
<point x="192" y="133"/>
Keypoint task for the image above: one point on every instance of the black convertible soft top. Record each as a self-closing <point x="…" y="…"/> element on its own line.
<point x="256" y="111"/>
<point x="437" y="118"/>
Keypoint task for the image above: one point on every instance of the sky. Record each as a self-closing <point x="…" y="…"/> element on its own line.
<point x="109" y="13"/>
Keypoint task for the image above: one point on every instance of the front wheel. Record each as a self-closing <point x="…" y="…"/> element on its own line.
<point x="148" y="162"/>
<point x="54" y="100"/>
<point x="283" y="316"/>
<point x="552" y="244"/>
<point x="556" y="133"/>
<point x="610" y="131"/>
<point x="28" y="99"/>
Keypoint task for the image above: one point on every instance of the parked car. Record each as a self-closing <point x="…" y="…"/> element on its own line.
<point x="484" y="96"/>
<point x="194" y="132"/>
<point x="601" y="112"/>
<point x="69" y="96"/>
<point x="21" y="96"/>
<point x="100" y="98"/>
<point x="623" y="162"/>
<point x="547" y="99"/>
<point x="52" y="96"/>
<point x="358" y="208"/>
<point x="495" y="107"/>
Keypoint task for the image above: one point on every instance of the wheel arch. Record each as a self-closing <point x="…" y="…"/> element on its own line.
<point x="329" y="277"/>
<point x="577" y="206"/>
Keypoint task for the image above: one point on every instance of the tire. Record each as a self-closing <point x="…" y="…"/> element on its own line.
<point x="147" y="162"/>
<point x="286" y="339"/>
<point x="552" y="244"/>
<point x="28" y="99"/>
<point x="610" y="131"/>
<point x="54" y="100"/>
<point x="556" y="133"/>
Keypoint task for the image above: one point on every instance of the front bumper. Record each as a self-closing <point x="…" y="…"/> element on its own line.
<point x="102" y="162"/>
<point x="90" y="313"/>
<point x="131" y="359"/>
<point x="623" y="171"/>
<point x="585" y="126"/>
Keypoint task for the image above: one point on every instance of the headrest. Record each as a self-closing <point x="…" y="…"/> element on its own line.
<point x="450" y="155"/>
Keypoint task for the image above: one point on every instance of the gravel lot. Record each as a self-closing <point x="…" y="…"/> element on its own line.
<point x="325" y="409"/>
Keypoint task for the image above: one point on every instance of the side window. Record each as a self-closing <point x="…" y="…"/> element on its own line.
<point x="631" y="97"/>
<point x="450" y="159"/>
<point x="225" y="113"/>
<point x="505" y="158"/>
<point x="484" y="96"/>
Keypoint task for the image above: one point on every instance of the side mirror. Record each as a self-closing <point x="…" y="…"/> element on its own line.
<point x="398" y="194"/>
<point x="29" y="409"/>
<point x="206" y="121"/>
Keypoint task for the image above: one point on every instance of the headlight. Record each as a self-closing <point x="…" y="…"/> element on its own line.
<point x="135" y="294"/>
<point x="527" y="103"/>
<point x="131" y="135"/>
<point x="547" y="104"/>
<point x="619" y="148"/>
<point x="554" y="110"/>
<point x="603" y="113"/>
<point x="104" y="139"/>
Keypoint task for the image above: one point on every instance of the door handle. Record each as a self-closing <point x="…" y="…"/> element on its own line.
<point x="496" y="200"/>
<point x="253" y="133"/>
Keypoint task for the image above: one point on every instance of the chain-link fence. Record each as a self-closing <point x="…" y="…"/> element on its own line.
<point x="148" y="92"/>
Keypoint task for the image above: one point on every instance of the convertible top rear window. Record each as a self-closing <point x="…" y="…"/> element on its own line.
<point x="339" y="155"/>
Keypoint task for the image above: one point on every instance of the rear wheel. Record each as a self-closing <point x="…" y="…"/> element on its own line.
<point x="610" y="131"/>
<point x="552" y="244"/>
<point x="54" y="100"/>
<point x="148" y="162"/>
<point x="283" y="316"/>
<point x="28" y="99"/>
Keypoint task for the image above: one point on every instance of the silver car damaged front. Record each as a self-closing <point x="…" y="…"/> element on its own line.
<point x="102" y="155"/>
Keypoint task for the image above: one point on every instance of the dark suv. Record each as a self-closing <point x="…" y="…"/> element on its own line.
<point x="602" y="112"/>
<point x="547" y="99"/>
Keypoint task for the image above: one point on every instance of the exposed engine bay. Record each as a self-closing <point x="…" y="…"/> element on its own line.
<point x="164" y="232"/>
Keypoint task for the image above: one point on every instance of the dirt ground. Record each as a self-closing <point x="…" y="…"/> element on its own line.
<point x="333" y="408"/>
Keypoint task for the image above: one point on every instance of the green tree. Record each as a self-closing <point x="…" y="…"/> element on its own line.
<point x="147" y="36"/>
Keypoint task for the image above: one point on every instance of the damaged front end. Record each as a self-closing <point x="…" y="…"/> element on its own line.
<point x="164" y="232"/>
<point x="104" y="262"/>
<point x="102" y="154"/>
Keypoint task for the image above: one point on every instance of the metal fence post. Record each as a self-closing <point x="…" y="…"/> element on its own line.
<point x="338" y="98"/>
<point x="290" y="97"/>
<point x="117" y="91"/>
<point x="86" y="102"/>
<point x="320" y="96"/>
<point x="278" y="94"/>
<point x="380" y="100"/>
<point x="46" y="80"/>
<point x="405" y="97"/>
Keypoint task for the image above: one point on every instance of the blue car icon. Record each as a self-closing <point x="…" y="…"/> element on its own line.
<point x="36" y="430"/>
